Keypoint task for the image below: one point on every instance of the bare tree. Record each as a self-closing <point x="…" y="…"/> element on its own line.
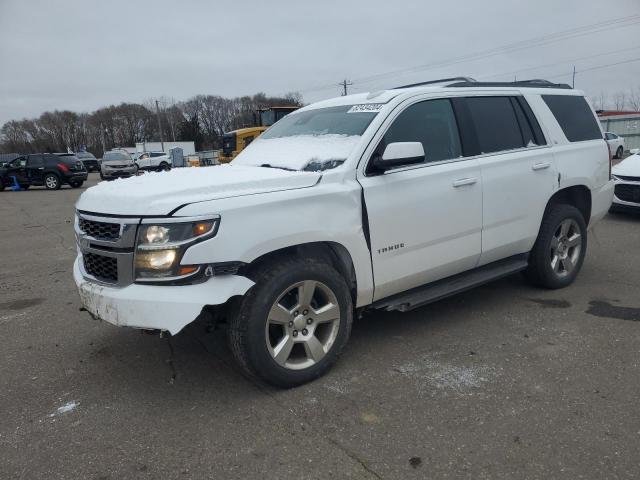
<point x="619" y="100"/>
<point x="633" y="99"/>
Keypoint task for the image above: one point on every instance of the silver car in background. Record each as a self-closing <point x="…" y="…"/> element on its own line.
<point x="117" y="164"/>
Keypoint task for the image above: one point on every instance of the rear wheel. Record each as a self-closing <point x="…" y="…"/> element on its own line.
<point x="51" y="181"/>
<point x="76" y="184"/>
<point x="619" y="152"/>
<point x="1" y="185"/>
<point x="164" y="167"/>
<point x="559" y="251"/>
<point x="293" y="323"/>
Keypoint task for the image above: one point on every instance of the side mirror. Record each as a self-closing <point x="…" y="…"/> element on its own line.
<point x="397" y="154"/>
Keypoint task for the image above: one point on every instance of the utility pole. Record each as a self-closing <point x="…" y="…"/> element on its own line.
<point x="160" y="126"/>
<point x="573" y="81"/>
<point x="344" y="84"/>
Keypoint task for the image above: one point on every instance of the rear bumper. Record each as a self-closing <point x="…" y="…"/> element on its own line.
<point x="153" y="307"/>
<point x="601" y="200"/>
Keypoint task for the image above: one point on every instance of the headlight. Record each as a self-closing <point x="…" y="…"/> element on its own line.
<point x="161" y="246"/>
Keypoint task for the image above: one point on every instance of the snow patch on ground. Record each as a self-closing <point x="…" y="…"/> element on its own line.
<point x="429" y="373"/>
<point x="66" y="408"/>
<point x="297" y="151"/>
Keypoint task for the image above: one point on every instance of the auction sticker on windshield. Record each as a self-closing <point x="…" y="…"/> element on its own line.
<point x="366" y="107"/>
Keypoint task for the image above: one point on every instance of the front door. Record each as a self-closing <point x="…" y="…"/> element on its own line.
<point x="425" y="220"/>
<point x="18" y="169"/>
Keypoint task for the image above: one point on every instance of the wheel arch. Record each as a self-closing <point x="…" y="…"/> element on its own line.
<point x="578" y="196"/>
<point x="333" y="253"/>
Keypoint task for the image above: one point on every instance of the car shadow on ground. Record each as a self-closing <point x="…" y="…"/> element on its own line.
<point x="198" y="358"/>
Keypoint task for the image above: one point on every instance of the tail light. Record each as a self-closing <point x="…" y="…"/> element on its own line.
<point x="63" y="167"/>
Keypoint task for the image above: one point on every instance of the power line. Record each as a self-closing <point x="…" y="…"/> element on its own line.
<point x="564" y="62"/>
<point x="508" y="48"/>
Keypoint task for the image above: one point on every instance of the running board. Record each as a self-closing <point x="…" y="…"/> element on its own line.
<point x="419" y="296"/>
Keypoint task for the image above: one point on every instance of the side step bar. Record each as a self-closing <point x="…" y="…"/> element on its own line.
<point x="419" y="296"/>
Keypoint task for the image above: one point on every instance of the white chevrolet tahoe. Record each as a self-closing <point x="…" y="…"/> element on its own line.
<point x="386" y="200"/>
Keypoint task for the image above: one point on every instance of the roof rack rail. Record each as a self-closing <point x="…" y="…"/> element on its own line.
<point x="440" y="80"/>
<point x="533" y="83"/>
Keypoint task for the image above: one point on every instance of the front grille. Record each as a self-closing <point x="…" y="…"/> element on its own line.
<point x="100" y="230"/>
<point x="628" y="193"/>
<point x="103" y="268"/>
<point x="118" y="166"/>
<point x="629" y="179"/>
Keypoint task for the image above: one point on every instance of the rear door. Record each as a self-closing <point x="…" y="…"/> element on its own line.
<point x="35" y="169"/>
<point x="424" y="220"/>
<point x="518" y="173"/>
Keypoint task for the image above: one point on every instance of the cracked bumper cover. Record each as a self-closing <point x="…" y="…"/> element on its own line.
<point x="168" y="308"/>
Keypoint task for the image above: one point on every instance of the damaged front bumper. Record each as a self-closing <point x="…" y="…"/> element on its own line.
<point x="153" y="307"/>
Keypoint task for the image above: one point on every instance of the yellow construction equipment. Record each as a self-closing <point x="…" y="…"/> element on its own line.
<point x="237" y="140"/>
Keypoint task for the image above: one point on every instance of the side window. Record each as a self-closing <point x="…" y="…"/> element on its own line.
<point x="35" y="161"/>
<point x="496" y="124"/>
<point x="19" y="162"/>
<point x="432" y="123"/>
<point x="574" y="116"/>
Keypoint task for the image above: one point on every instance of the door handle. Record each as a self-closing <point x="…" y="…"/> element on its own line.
<point x="464" y="181"/>
<point x="540" y="166"/>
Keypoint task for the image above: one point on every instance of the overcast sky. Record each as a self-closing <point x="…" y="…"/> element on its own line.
<point x="84" y="54"/>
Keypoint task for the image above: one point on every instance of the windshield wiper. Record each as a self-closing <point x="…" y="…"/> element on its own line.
<point x="267" y="165"/>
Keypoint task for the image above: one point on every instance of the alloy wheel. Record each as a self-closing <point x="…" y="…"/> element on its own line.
<point x="566" y="244"/>
<point x="51" y="182"/>
<point x="302" y="325"/>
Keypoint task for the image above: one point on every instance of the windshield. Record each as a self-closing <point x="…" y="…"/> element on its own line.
<point x="116" y="156"/>
<point x="309" y="140"/>
<point x="85" y="155"/>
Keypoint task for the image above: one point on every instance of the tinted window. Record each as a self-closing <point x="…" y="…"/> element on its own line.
<point x="157" y="154"/>
<point x="496" y="124"/>
<point x="36" y="161"/>
<point x="574" y="116"/>
<point x="433" y="124"/>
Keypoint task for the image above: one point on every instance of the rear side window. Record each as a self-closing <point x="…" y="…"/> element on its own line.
<point x="496" y="124"/>
<point x="432" y="123"/>
<point x="36" y="161"/>
<point x="574" y="116"/>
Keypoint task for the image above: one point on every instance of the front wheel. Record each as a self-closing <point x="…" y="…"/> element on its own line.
<point x="559" y="251"/>
<point x="51" y="181"/>
<point x="164" y="167"/>
<point x="293" y="323"/>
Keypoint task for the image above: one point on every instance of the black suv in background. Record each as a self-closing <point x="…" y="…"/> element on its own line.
<point x="89" y="161"/>
<point x="45" y="169"/>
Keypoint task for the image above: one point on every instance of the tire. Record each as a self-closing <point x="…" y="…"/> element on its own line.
<point x="101" y="175"/>
<point x="164" y="167"/>
<point x="137" y="170"/>
<point x="76" y="184"/>
<point x="25" y="187"/>
<point x="1" y="185"/>
<point x="51" y="181"/>
<point x="266" y="316"/>
<point x="619" y="152"/>
<point x="558" y="254"/>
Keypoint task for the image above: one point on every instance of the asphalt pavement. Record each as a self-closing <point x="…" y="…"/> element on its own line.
<point x="504" y="381"/>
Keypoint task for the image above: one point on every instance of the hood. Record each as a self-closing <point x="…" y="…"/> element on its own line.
<point x="629" y="167"/>
<point x="159" y="193"/>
